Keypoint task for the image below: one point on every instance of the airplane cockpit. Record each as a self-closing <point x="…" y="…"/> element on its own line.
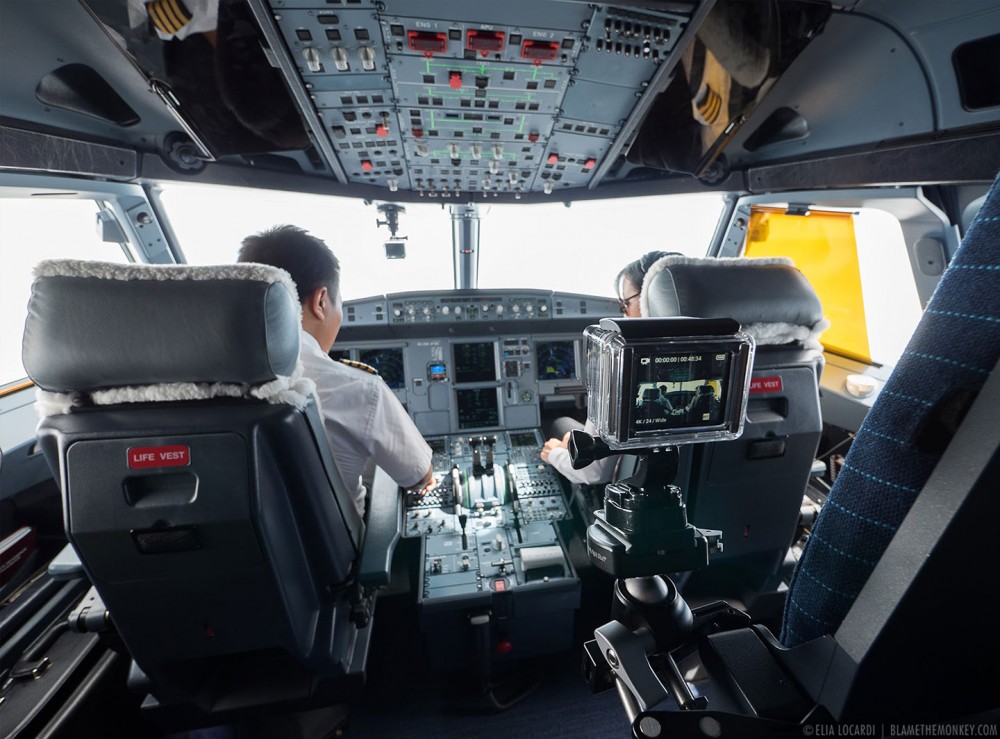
<point x="694" y="304"/>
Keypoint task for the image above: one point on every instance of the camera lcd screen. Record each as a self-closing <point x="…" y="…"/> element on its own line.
<point x="679" y="390"/>
<point x="475" y="362"/>
<point x="477" y="408"/>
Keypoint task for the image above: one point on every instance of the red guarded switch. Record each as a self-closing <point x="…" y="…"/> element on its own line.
<point x="539" y="51"/>
<point x="589" y="164"/>
<point x="553" y="159"/>
<point x="455" y="80"/>
<point x="427" y="43"/>
<point x="366" y="166"/>
<point x="381" y="130"/>
<point x="485" y="42"/>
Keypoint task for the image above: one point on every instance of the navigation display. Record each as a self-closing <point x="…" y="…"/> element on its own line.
<point x="477" y="408"/>
<point x="388" y="362"/>
<point x="556" y="360"/>
<point x="475" y="362"/>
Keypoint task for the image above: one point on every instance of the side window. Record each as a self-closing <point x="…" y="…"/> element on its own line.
<point x="33" y="229"/>
<point x="858" y="264"/>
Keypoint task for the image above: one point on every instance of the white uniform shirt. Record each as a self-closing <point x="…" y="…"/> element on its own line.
<point x="363" y="418"/>
<point x="593" y="474"/>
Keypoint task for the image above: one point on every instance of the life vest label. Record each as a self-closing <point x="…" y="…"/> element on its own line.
<point x="159" y="456"/>
<point x="765" y="385"/>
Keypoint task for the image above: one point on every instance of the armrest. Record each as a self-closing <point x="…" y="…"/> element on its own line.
<point x="384" y="526"/>
<point x="66" y="565"/>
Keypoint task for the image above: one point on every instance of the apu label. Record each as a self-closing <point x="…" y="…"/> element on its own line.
<point x="159" y="456"/>
<point x="765" y="384"/>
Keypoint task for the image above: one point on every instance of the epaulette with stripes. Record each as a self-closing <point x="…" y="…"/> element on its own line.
<point x="361" y="366"/>
<point x="169" y="16"/>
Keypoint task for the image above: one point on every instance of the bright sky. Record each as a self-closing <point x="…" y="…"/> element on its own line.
<point x="576" y="249"/>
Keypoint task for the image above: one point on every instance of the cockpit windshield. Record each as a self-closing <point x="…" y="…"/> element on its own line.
<point x="573" y="249"/>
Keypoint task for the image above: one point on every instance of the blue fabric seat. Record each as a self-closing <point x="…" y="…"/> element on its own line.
<point x="946" y="362"/>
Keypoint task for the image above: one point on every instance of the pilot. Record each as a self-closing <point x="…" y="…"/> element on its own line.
<point x="628" y="287"/>
<point x="628" y="283"/>
<point x="664" y="401"/>
<point x="704" y="406"/>
<point x="362" y="417"/>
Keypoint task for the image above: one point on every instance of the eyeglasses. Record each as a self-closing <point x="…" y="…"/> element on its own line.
<point x="623" y="302"/>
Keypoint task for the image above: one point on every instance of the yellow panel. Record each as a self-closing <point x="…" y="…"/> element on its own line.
<point x="823" y="247"/>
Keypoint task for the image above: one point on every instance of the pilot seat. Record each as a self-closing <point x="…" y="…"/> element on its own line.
<point x="198" y="488"/>
<point x="751" y="488"/>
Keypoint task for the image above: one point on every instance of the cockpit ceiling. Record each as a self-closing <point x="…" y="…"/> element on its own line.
<point x="452" y="98"/>
<point x="455" y="98"/>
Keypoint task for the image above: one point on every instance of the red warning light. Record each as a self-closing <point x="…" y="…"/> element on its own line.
<point x="427" y="43"/>
<point x="539" y="51"/>
<point x="485" y="42"/>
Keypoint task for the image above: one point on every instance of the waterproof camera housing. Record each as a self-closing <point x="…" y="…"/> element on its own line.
<point x="656" y="381"/>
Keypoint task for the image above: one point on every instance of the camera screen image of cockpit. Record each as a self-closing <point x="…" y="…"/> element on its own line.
<point x="678" y="390"/>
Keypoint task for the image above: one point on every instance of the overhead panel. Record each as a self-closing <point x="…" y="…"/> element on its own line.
<point x="449" y="98"/>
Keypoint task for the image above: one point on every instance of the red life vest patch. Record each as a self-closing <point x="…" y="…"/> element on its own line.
<point x="159" y="456"/>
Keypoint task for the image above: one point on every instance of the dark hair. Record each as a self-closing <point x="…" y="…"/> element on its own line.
<point x="306" y="258"/>
<point x="636" y="271"/>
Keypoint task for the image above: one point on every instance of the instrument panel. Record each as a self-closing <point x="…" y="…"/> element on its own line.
<point x="457" y="371"/>
<point x="474" y="369"/>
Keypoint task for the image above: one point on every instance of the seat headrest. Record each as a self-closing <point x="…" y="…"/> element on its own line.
<point x="92" y="326"/>
<point x="771" y="299"/>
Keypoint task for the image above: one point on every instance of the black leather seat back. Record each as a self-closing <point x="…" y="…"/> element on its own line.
<point x="209" y="515"/>
<point x="752" y="488"/>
